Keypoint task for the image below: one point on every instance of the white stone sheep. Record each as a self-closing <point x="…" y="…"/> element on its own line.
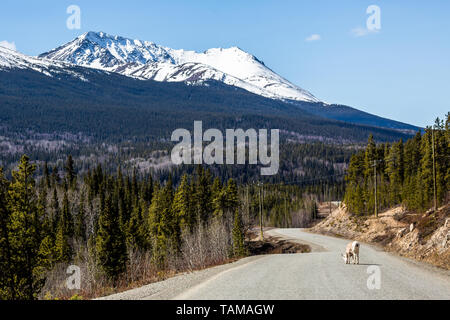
<point x="351" y="253"/>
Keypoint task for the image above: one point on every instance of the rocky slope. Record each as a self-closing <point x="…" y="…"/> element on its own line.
<point x="421" y="236"/>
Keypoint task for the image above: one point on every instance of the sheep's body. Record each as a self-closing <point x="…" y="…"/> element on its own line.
<point x="352" y="253"/>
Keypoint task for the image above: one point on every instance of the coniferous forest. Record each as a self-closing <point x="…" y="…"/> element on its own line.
<point x="408" y="173"/>
<point x="125" y="230"/>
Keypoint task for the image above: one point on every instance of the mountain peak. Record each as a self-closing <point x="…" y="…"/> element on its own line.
<point x="92" y="35"/>
<point x="99" y="36"/>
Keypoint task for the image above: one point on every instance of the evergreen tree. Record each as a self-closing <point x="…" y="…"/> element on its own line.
<point x="426" y="170"/>
<point x="202" y="195"/>
<point x="63" y="249"/>
<point x="238" y="235"/>
<point x="64" y="233"/>
<point x="182" y="206"/>
<point x="80" y="225"/>
<point x="147" y="190"/>
<point x="67" y="218"/>
<point x="162" y="224"/>
<point x="23" y="233"/>
<point x="136" y="230"/>
<point x="216" y="188"/>
<point x="47" y="176"/>
<point x="232" y="196"/>
<point x="7" y="289"/>
<point x="394" y="170"/>
<point x="55" y="175"/>
<point x="48" y="254"/>
<point x="70" y="171"/>
<point x="55" y="211"/>
<point x="442" y="162"/>
<point x="220" y="202"/>
<point x="121" y="195"/>
<point x="110" y="242"/>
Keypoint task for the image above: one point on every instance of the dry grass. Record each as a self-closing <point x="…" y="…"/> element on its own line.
<point x="208" y="245"/>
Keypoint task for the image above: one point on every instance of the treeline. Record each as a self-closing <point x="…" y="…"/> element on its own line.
<point x="282" y="206"/>
<point x="317" y="168"/>
<point x="119" y="229"/>
<point x="405" y="172"/>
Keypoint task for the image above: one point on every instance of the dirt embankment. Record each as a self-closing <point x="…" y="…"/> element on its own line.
<point x="421" y="236"/>
<point x="273" y="245"/>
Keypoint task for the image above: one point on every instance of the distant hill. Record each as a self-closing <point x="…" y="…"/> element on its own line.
<point x="108" y="106"/>
<point x="352" y="115"/>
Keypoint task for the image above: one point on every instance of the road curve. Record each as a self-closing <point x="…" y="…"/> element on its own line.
<point x="320" y="274"/>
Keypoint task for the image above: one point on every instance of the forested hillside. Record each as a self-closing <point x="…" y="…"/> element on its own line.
<point x="114" y="108"/>
<point x="407" y="173"/>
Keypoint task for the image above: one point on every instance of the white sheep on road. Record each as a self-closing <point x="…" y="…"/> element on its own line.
<point x="351" y="253"/>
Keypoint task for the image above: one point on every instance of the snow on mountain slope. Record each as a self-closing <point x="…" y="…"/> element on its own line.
<point x="189" y="72"/>
<point x="10" y="59"/>
<point x="247" y="68"/>
<point x="146" y="60"/>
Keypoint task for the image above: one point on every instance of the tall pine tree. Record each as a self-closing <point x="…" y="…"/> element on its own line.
<point x="24" y="232"/>
<point x="110" y="242"/>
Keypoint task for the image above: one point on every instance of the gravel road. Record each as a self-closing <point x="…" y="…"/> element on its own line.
<point x="320" y="274"/>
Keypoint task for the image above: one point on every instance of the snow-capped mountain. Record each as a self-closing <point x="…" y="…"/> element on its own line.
<point x="147" y="60"/>
<point x="91" y="74"/>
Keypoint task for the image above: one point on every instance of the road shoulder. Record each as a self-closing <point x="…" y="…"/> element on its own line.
<point x="174" y="286"/>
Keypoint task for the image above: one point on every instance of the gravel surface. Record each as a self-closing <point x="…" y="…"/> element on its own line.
<point x="168" y="289"/>
<point x="320" y="274"/>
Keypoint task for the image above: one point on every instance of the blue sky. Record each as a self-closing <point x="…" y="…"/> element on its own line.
<point x="401" y="72"/>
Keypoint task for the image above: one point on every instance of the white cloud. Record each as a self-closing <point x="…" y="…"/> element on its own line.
<point x="313" y="37"/>
<point x="361" y="32"/>
<point x="8" y="45"/>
